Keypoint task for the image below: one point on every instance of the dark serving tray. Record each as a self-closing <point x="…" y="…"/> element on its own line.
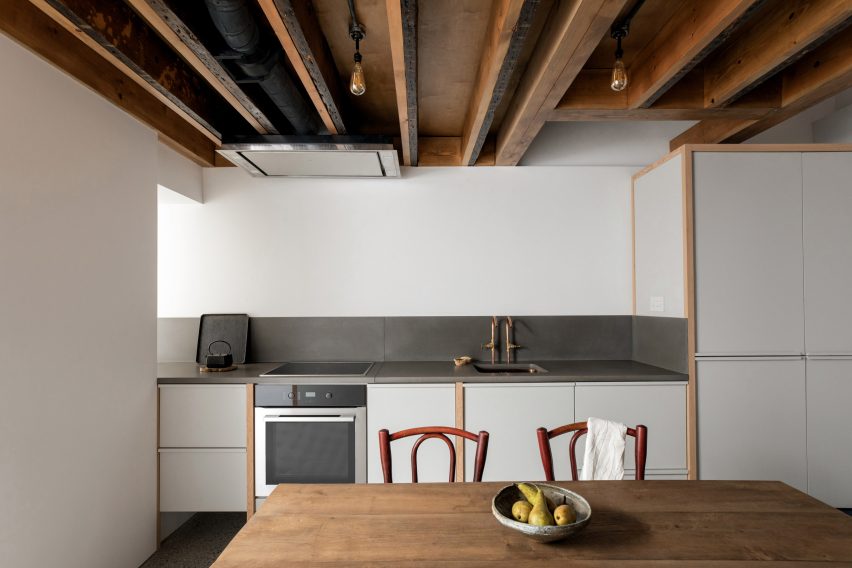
<point x="232" y="328"/>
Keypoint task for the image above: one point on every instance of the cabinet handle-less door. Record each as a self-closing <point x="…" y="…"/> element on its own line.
<point x="748" y="253"/>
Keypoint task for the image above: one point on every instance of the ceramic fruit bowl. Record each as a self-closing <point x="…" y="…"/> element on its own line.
<point x="502" y="503"/>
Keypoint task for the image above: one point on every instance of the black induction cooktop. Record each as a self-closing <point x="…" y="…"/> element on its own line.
<point x="320" y="369"/>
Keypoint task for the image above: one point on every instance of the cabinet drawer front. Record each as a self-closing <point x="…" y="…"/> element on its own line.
<point x="511" y="414"/>
<point x="662" y="408"/>
<point x="399" y="407"/>
<point x="202" y="480"/>
<point x="202" y="416"/>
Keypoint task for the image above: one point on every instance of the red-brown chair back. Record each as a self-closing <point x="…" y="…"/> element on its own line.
<point x="426" y="433"/>
<point x="580" y="428"/>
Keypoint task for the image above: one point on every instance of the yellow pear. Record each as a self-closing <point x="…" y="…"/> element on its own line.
<point x="528" y="489"/>
<point x="540" y="515"/>
<point x="521" y="510"/>
<point x="564" y="515"/>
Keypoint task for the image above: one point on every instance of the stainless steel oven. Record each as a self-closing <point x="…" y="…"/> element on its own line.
<point x="309" y="434"/>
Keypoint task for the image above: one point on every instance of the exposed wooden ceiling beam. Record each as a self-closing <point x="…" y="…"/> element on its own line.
<point x="590" y="98"/>
<point x="822" y="73"/>
<point x="402" y="26"/>
<point x="779" y="33"/>
<point x="573" y="32"/>
<point x="507" y="32"/>
<point x="440" y="151"/>
<point x="298" y="30"/>
<point x="181" y="39"/>
<point x="115" y="31"/>
<point x="33" y="28"/>
<point x="695" y="30"/>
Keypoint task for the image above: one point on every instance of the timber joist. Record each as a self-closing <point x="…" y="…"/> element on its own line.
<point x="455" y="84"/>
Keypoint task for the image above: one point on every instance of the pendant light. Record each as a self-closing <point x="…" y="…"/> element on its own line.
<point x="618" y="32"/>
<point x="619" y="73"/>
<point x="358" y="84"/>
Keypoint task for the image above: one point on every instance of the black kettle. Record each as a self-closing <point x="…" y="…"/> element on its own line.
<point x="219" y="360"/>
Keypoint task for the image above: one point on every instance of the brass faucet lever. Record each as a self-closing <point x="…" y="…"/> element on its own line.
<point x="510" y="346"/>
<point x="492" y="345"/>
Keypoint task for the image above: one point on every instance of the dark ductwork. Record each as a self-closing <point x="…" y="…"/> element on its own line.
<point x="261" y="62"/>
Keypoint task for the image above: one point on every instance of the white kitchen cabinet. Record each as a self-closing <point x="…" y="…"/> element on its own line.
<point x="752" y="420"/>
<point x="202" y="448"/>
<point x="748" y="253"/>
<point x="511" y="413"/>
<point x="828" y="255"/>
<point x="202" y="479"/>
<point x="659" y="406"/>
<point x="398" y="407"/>
<point x="829" y="434"/>
<point x="202" y="416"/>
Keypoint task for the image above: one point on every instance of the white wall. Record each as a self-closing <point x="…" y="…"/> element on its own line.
<point x="836" y="128"/>
<point x="615" y="143"/>
<point x="178" y="179"/>
<point x="439" y="241"/>
<point x="78" y="333"/>
<point x="829" y="122"/>
<point x="659" y="230"/>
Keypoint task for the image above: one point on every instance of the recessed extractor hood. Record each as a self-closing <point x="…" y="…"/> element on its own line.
<point x="314" y="156"/>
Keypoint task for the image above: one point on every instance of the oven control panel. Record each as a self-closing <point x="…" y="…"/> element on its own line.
<point x="341" y="396"/>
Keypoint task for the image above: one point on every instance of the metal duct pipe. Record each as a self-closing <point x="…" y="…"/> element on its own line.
<point x="262" y="62"/>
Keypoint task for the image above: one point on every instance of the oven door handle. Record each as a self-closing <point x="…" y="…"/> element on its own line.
<point x="309" y="418"/>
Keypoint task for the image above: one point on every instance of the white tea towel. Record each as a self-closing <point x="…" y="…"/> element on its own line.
<point x="604" y="455"/>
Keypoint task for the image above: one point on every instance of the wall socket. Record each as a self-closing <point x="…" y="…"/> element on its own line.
<point x="657" y="304"/>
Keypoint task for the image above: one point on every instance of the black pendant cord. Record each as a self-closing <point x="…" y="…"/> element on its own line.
<point x="621" y="28"/>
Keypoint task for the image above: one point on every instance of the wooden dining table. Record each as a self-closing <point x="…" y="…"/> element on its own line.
<point x="633" y="524"/>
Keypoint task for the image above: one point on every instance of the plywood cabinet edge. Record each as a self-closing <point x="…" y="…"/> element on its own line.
<point x="250" y="498"/>
<point x="689" y="312"/>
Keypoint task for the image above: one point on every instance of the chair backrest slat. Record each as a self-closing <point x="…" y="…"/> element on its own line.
<point x="427" y="433"/>
<point x="580" y="428"/>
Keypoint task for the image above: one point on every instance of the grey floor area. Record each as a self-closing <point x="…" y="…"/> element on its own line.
<point x="198" y="542"/>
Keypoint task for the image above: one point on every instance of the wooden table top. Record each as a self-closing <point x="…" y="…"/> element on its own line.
<point x="634" y="523"/>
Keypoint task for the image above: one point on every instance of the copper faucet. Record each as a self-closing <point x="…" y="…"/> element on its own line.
<point x="509" y="345"/>
<point x="492" y="345"/>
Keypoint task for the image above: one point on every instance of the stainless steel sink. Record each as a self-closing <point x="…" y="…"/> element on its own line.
<point x="508" y="368"/>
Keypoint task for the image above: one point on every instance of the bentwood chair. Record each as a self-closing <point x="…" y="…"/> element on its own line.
<point x="580" y="428"/>
<point x="426" y="433"/>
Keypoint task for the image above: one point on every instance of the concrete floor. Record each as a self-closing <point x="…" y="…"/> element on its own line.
<point x="198" y="542"/>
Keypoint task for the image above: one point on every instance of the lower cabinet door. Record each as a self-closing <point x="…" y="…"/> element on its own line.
<point x="511" y="413"/>
<point x="399" y="407"/>
<point x="202" y="479"/>
<point x="751" y="420"/>
<point x="829" y="432"/>
<point x="659" y="406"/>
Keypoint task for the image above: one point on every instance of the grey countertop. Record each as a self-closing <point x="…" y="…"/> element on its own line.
<point x="414" y="372"/>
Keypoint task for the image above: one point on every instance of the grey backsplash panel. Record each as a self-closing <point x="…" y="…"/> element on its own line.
<point x="661" y="342"/>
<point x="435" y="338"/>
<point x="177" y="339"/>
<point x="316" y="339"/>
<point x="540" y="338"/>
<point x="655" y="341"/>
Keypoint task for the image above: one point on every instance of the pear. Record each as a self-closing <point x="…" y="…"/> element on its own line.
<point x="528" y="489"/>
<point x="564" y="515"/>
<point x="540" y="515"/>
<point x="521" y="510"/>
